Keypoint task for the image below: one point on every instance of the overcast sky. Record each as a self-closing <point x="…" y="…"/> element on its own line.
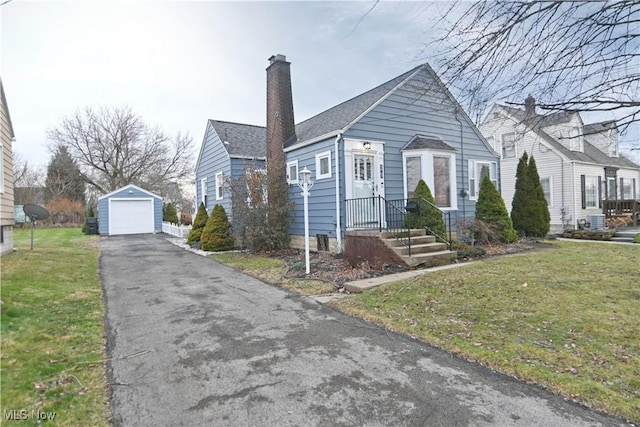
<point x="178" y="64"/>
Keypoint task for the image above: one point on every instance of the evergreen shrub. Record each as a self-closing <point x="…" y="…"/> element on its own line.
<point x="216" y="235"/>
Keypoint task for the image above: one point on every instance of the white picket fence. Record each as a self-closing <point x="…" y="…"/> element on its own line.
<point x="181" y="231"/>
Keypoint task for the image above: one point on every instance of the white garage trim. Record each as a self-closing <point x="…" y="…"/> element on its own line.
<point x="131" y="216"/>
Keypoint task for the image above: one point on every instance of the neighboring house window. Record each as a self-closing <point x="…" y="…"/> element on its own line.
<point x="575" y="139"/>
<point x="509" y="145"/>
<point x="323" y="165"/>
<point x="219" y="185"/>
<point x="1" y="169"/>
<point x="477" y="171"/>
<point x="203" y="191"/>
<point x="611" y="188"/>
<point x="437" y="169"/>
<point x="414" y="174"/>
<point x="628" y="188"/>
<point x="547" y="189"/>
<point x="590" y="191"/>
<point x="292" y="172"/>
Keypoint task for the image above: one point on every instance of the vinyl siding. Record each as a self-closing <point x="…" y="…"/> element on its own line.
<point x="322" y="199"/>
<point x="212" y="160"/>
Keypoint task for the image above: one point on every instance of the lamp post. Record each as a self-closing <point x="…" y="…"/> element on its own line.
<point x="305" y="184"/>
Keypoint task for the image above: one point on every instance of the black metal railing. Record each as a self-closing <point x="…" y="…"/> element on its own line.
<point x="391" y="216"/>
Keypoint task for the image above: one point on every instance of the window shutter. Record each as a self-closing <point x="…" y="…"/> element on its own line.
<point x="583" y="192"/>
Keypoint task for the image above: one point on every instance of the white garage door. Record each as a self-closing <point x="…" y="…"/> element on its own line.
<point x="131" y="216"/>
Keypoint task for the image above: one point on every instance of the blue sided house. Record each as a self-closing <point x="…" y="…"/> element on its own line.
<point x="366" y="156"/>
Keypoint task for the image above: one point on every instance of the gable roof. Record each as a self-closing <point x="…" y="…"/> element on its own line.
<point x="129" y="186"/>
<point x="241" y="140"/>
<point x="590" y="155"/>
<point x="340" y="116"/>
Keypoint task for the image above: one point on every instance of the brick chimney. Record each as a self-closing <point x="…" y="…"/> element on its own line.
<point x="530" y="106"/>
<point x="280" y="121"/>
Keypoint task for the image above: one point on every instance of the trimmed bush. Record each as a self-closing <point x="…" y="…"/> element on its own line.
<point x="198" y="224"/>
<point x="426" y="216"/>
<point x="169" y="214"/>
<point x="529" y="213"/>
<point x="491" y="209"/>
<point x="216" y="235"/>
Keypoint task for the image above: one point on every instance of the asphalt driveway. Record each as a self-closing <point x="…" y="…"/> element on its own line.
<point x="192" y="343"/>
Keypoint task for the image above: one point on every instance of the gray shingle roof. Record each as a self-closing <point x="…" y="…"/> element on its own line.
<point x="240" y="140"/>
<point x="590" y="155"/>
<point x="427" y="142"/>
<point x="250" y="141"/>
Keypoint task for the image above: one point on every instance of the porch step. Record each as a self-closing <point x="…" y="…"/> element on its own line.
<point x="425" y="251"/>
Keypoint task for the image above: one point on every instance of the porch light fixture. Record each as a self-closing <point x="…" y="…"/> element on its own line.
<point x="305" y="185"/>
<point x="366" y="145"/>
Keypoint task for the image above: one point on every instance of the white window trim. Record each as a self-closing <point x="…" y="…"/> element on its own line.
<point x="594" y="181"/>
<point x="493" y="172"/>
<point x="219" y="188"/>
<point x="319" y="157"/>
<point x="550" y="201"/>
<point x="427" y="172"/>
<point x="203" y="191"/>
<point x="292" y="180"/>
<point x="515" y="147"/>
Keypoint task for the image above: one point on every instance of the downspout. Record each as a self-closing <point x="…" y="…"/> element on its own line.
<point x="463" y="193"/>
<point x="338" y="224"/>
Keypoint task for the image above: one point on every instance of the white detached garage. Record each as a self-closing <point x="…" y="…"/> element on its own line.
<point x="129" y="210"/>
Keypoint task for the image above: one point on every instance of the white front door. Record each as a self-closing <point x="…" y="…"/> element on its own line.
<point x="364" y="188"/>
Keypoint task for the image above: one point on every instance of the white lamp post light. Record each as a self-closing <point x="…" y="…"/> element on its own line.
<point x="305" y="184"/>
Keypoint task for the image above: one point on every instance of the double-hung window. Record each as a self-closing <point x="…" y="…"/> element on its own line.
<point x="478" y="169"/>
<point x="547" y="189"/>
<point x="323" y="165"/>
<point x="509" y="145"/>
<point x="590" y="191"/>
<point x="203" y="191"/>
<point x="292" y="172"/>
<point x="219" y="185"/>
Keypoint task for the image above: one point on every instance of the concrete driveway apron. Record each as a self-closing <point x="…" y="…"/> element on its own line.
<point x="194" y="343"/>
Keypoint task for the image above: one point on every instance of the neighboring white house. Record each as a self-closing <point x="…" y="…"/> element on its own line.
<point x="580" y="165"/>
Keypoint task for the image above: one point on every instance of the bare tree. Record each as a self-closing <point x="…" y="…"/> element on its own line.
<point x="572" y="56"/>
<point x="28" y="181"/>
<point x="114" y="147"/>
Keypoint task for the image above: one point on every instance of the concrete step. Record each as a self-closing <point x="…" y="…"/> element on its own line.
<point x="622" y="239"/>
<point x="415" y="240"/>
<point x="412" y="232"/>
<point x="421" y="248"/>
<point x="431" y="259"/>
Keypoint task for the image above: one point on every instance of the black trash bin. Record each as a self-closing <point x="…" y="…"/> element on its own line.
<point x="91" y="225"/>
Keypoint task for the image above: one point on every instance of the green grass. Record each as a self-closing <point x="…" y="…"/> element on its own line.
<point x="272" y="271"/>
<point x="53" y="356"/>
<point x="567" y="319"/>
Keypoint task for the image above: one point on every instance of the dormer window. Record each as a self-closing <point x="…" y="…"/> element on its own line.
<point x="576" y="139"/>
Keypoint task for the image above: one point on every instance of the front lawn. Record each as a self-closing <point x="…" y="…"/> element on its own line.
<point x="566" y="318"/>
<point x="53" y="355"/>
